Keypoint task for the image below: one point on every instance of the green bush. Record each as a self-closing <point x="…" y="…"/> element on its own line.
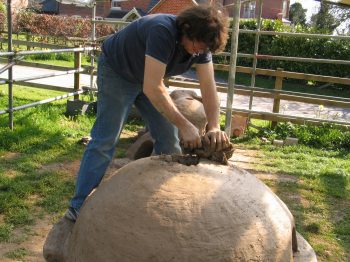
<point x="3" y="16"/>
<point x="65" y="56"/>
<point x="324" y="136"/>
<point x="50" y="56"/>
<point x="292" y="46"/>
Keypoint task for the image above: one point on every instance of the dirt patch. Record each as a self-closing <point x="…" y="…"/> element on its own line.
<point x="248" y="158"/>
<point x="31" y="239"/>
<point x="11" y="173"/>
<point x="69" y="167"/>
<point x="10" y="155"/>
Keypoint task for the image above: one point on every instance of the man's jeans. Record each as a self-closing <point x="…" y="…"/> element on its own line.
<point x="115" y="99"/>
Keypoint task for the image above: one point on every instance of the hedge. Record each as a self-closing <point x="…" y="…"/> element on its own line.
<point x="55" y="26"/>
<point x="292" y="46"/>
<point x="61" y="26"/>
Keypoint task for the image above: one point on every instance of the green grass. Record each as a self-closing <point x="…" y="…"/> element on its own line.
<point x="66" y="61"/>
<point x="42" y="136"/>
<point x="18" y="253"/>
<point x="318" y="194"/>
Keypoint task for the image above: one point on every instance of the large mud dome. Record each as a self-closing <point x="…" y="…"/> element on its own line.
<point x="156" y="210"/>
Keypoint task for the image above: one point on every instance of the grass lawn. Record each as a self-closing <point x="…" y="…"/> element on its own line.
<point x="67" y="61"/>
<point x="318" y="193"/>
<point x="315" y="185"/>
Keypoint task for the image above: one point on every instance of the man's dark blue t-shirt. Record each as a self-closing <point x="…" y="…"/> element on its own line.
<point x="153" y="35"/>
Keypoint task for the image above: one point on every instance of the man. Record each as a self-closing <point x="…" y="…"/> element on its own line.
<point x="131" y="70"/>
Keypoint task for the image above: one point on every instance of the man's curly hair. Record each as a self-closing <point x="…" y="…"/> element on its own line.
<point x="205" y="24"/>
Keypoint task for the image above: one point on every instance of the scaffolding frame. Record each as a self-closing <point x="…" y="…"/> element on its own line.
<point x="14" y="56"/>
<point x="256" y="56"/>
<point x="234" y="55"/>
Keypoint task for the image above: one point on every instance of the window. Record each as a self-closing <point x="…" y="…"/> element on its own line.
<point x="249" y="10"/>
<point x="284" y="8"/>
<point x="115" y="4"/>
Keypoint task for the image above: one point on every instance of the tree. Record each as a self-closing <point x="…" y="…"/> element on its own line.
<point x="342" y="13"/>
<point x="297" y="14"/>
<point x="324" y="20"/>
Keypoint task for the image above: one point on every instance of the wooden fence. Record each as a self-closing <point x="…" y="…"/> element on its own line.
<point x="277" y="94"/>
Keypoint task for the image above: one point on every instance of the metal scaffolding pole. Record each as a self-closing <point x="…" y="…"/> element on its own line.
<point x="255" y="59"/>
<point x="92" y="53"/>
<point x="23" y="79"/>
<point x="10" y="61"/>
<point x="45" y="101"/>
<point x="233" y="63"/>
<point x="290" y="117"/>
<point x="65" y="50"/>
<point x="294" y="59"/>
<point x="245" y="31"/>
<point x="6" y="67"/>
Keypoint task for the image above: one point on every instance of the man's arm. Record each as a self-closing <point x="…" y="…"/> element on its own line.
<point x="154" y="89"/>
<point x="214" y="136"/>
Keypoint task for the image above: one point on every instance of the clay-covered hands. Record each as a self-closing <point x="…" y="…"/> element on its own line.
<point x="216" y="139"/>
<point x="189" y="136"/>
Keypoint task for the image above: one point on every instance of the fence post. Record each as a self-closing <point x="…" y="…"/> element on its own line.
<point x="77" y="66"/>
<point x="28" y="40"/>
<point x="278" y="87"/>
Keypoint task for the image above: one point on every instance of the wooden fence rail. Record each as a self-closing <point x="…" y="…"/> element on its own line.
<point x="277" y="94"/>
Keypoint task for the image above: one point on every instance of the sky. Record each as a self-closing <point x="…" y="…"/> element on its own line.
<point x="311" y="6"/>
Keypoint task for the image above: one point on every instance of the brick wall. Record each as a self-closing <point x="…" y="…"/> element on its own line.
<point x="271" y="8"/>
<point x="128" y="5"/>
<point x="102" y="9"/>
<point x="172" y="7"/>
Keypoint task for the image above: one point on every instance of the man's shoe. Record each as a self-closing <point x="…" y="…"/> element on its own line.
<point x="72" y="214"/>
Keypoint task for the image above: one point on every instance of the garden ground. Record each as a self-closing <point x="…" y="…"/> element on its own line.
<point x="39" y="159"/>
<point x="28" y="242"/>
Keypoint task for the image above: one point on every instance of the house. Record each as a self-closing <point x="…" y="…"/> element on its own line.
<point x="131" y="9"/>
<point x="126" y="12"/>
<point x="153" y="6"/>
<point x="271" y="9"/>
<point x="171" y="7"/>
<point x="124" y="15"/>
<point x="53" y="7"/>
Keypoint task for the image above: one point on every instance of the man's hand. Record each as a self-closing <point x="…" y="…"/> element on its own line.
<point x="216" y="139"/>
<point x="189" y="136"/>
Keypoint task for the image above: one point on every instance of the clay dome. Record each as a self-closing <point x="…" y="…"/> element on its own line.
<point x="156" y="210"/>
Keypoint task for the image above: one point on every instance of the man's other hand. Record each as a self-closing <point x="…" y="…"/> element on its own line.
<point x="216" y="139"/>
<point x="189" y="136"/>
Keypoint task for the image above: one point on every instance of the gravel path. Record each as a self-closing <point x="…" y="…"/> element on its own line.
<point x="241" y="102"/>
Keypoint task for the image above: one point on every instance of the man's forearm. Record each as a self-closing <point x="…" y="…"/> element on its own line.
<point x="212" y="110"/>
<point x="209" y="94"/>
<point x="163" y="103"/>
